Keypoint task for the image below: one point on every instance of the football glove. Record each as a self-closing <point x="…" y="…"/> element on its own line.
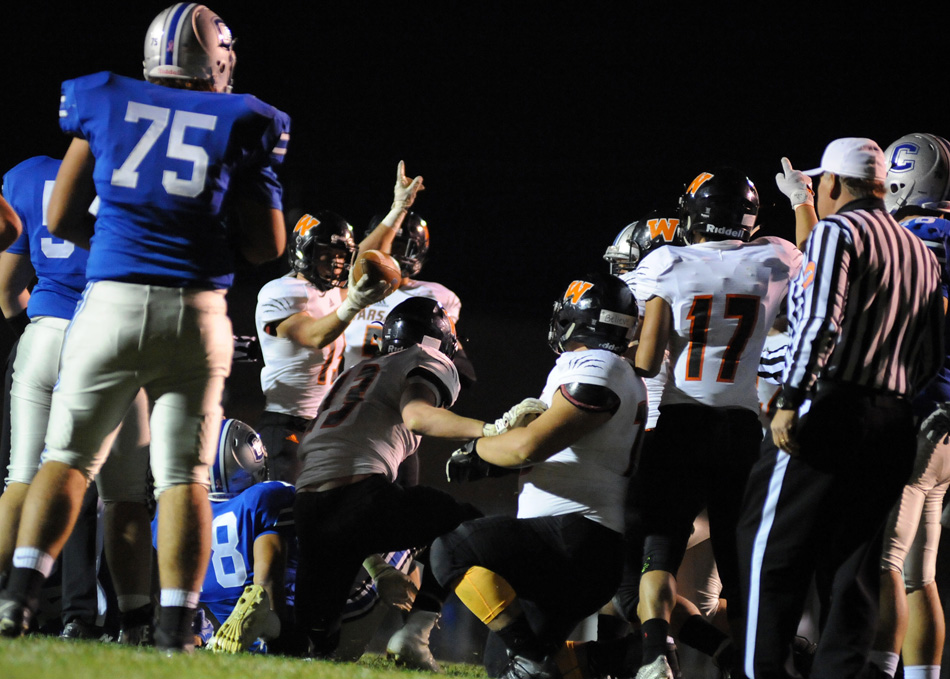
<point x="520" y="415"/>
<point x="936" y="426"/>
<point x="404" y="193"/>
<point x="795" y="184"/>
<point x="395" y="588"/>
<point x="465" y="465"/>
<point x="359" y="295"/>
<point x="247" y="349"/>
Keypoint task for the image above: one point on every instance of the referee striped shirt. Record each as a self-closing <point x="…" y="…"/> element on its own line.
<point x="866" y="308"/>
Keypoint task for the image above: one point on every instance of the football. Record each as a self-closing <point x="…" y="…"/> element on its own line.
<point x="379" y="267"/>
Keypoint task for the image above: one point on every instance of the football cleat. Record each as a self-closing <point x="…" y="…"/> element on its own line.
<point x="77" y="629"/>
<point x="409" y="647"/>
<point x="14" y="618"/>
<point x="658" y="669"/>
<point x="524" y="668"/>
<point x="251" y="619"/>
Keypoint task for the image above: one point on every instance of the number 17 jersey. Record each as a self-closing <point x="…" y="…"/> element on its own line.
<point x="724" y="296"/>
<point x="165" y="158"/>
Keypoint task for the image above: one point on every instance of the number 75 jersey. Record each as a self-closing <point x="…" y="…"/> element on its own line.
<point x="724" y="296"/>
<point x="165" y="159"/>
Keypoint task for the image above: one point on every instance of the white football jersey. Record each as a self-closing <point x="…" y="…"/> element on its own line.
<point x="656" y="384"/>
<point x="591" y="476"/>
<point x="363" y="332"/>
<point x="359" y="428"/>
<point x="724" y="296"/>
<point x="295" y="378"/>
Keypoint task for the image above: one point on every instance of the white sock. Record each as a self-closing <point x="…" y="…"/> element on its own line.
<point x="885" y="660"/>
<point x="922" y="672"/>
<point x="31" y="557"/>
<point x="179" y="597"/>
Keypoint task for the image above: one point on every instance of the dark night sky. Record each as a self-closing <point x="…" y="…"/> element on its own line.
<point x="541" y="128"/>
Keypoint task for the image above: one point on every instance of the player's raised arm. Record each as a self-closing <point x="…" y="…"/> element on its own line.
<point x="10" y="226"/>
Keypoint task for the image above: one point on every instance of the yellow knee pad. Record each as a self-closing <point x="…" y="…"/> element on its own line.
<point x="486" y="594"/>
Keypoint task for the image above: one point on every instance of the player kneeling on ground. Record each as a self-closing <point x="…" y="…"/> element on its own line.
<point x="532" y="578"/>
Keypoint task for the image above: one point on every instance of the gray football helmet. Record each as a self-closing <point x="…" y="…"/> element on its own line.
<point x="191" y="45"/>
<point x="641" y="237"/>
<point x="918" y="171"/>
<point x="240" y="463"/>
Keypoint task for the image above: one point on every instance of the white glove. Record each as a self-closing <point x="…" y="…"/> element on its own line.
<point x="359" y="295"/>
<point x="395" y="588"/>
<point x="936" y="426"/>
<point x="795" y="184"/>
<point x="519" y="415"/>
<point x="404" y="193"/>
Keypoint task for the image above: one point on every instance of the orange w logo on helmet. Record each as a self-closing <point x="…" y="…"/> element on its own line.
<point x="576" y="290"/>
<point x="663" y="227"/>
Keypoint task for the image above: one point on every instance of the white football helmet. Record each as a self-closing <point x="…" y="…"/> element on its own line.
<point x="240" y="463"/>
<point x="188" y="42"/>
<point x="918" y="171"/>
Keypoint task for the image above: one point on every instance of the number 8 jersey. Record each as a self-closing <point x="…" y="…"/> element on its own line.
<point x="166" y="156"/>
<point x="724" y="296"/>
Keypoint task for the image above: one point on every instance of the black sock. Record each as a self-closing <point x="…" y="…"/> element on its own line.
<point x="655" y="632"/>
<point x="24" y="585"/>
<point x="702" y="635"/>
<point x="176" y="624"/>
<point x="521" y="640"/>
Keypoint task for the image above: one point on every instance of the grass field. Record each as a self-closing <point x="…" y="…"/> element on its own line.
<point x="38" y="657"/>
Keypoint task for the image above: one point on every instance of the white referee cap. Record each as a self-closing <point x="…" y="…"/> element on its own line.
<point x="856" y="157"/>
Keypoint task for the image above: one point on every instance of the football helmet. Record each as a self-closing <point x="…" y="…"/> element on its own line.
<point x="419" y="320"/>
<point x="411" y="244"/>
<point x="322" y="249"/>
<point x="721" y="205"/>
<point x="918" y="171"/>
<point x="240" y="462"/>
<point x="598" y="311"/>
<point x="640" y="237"/>
<point x="191" y="45"/>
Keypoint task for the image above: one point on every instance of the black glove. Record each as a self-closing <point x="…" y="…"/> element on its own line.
<point x="465" y="465"/>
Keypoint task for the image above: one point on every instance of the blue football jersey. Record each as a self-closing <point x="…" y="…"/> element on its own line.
<point x="60" y="266"/>
<point x="165" y="160"/>
<point x="935" y="233"/>
<point x="263" y="508"/>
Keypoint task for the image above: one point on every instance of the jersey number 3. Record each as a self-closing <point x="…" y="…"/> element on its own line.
<point x="745" y="308"/>
<point x="127" y="176"/>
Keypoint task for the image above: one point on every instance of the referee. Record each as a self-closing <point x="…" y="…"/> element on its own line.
<point x="865" y="335"/>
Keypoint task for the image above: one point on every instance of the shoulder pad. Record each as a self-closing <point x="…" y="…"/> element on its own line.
<point x="592" y="397"/>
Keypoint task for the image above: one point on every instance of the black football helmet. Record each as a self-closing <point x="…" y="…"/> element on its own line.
<point x="419" y="320"/>
<point x="318" y="240"/>
<point x="240" y="461"/>
<point x="721" y="205"/>
<point x="411" y="244"/>
<point x="599" y="311"/>
<point x="640" y="237"/>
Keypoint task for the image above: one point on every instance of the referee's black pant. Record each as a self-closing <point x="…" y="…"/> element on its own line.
<point x="822" y="514"/>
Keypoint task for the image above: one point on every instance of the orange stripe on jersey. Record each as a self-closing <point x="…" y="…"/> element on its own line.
<point x="576" y="290"/>
<point x="663" y="227"/>
<point x="699" y="181"/>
